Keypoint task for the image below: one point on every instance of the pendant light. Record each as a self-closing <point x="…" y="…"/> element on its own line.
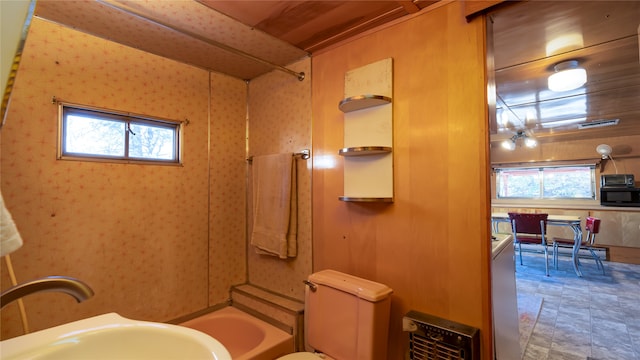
<point x="510" y="144"/>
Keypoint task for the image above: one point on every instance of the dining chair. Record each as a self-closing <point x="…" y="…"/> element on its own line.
<point x="530" y="229"/>
<point x="592" y="226"/>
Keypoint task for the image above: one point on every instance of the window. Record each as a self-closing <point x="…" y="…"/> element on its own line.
<point x="552" y="182"/>
<point x="101" y="134"/>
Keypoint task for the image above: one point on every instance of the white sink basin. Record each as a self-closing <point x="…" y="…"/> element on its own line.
<point x="111" y="336"/>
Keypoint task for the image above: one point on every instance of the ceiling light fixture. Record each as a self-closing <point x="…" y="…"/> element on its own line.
<point x="568" y="76"/>
<point x="604" y="150"/>
<point x="605" y="153"/>
<point x="510" y="144"/>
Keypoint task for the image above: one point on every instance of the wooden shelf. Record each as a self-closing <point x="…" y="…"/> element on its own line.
<point x="364" y="199"/>
<point x="364" y="150"/>
<point x="360" y="102"/>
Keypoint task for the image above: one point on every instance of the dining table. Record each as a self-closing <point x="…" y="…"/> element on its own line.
<point x="554" y="220"/>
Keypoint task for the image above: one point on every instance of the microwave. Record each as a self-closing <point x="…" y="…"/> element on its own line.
<point x="617" y="180"/>
<point x="620" y="196"/>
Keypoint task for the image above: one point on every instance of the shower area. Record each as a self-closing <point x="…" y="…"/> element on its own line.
<point x="278" y="122"/>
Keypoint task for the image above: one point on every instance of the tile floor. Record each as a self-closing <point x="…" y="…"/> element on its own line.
<point x="593" y="317"/>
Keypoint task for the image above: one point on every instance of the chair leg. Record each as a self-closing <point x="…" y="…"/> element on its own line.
<point x="546" y="260"/>
<point x="595" y="258"/>
<point x="520" y="252"/>
<point x="555" y="255"/>
<point x="599" y="263"/>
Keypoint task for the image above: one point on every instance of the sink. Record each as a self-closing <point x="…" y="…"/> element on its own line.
<point x="111" y="336"/>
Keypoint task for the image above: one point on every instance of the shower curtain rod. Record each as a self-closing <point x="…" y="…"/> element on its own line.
<point x="304" y="154"/>
<point x="299" y="75"/>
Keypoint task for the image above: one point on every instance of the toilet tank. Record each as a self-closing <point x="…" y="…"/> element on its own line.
<point x="347" y="317"/>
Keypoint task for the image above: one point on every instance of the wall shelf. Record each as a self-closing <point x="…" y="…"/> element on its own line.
<point x="364" y="150"/>
<point x="360" y="102"/>
<point x="359" y="199"/>
<point x="368" y="133"/>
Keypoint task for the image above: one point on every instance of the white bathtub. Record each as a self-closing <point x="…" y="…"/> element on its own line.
<point x="245" y="336"/>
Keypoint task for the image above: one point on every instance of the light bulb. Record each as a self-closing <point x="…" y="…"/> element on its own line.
<point x="530" y="142"/>
<point x="509" y="145"/>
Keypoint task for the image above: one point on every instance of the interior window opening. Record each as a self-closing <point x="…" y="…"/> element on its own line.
<point x="551" y="182"/>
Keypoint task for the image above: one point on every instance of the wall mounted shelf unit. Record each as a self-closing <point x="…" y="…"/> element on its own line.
<point x="368" y="133"/>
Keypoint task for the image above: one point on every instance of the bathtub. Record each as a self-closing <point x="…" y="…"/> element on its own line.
<point x="244" y="336"/>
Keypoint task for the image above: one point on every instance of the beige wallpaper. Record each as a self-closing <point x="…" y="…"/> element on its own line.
<point x="138" y="234"/>
<point x="227" y="259"/>
<point x="154" y="242"/>
<point x="280" y="121"/>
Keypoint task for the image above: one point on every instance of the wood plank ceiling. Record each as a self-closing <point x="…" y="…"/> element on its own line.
<point x="282" y="32"/>
<point x="314" y="25"/>
<point x="601" y="35"/>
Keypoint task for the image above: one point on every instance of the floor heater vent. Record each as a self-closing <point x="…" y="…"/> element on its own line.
<point x="434" y="338"/>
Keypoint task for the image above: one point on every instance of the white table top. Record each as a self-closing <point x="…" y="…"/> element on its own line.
<point x="559" y="218"/>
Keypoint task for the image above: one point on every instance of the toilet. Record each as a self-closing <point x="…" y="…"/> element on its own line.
<point x="345" y="318"/>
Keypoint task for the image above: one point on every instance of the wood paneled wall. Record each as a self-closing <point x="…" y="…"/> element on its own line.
<point x="432" y="244"/>
<point x="625" y="153"/>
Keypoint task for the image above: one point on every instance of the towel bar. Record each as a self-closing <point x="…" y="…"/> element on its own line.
<point x="304" y="154"/>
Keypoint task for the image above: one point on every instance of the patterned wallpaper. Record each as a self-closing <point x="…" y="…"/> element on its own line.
<point x="138" y="234"/>
<point x="280" y="121"/>
<point x="154" y="242"/>
<point x="227" y="260"/>
<point x="104" y="19"/>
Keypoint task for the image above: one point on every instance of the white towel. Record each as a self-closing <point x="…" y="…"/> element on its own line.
<point x="10" y="239"/>
<point x="275" y="212"/>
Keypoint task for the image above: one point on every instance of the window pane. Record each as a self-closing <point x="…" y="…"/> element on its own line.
<point x="86" y="135"/>
<point x="97" y="134"/>
<point x="568" y="182"/>
<point x="519" y="184"/>
<point x="152" y="142"/>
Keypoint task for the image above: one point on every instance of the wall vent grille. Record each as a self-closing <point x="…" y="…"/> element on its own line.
<point x="598" y="123"/>
<point x="434" y="338"/>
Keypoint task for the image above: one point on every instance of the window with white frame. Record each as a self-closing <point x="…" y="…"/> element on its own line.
<point x="98" y="134"/>
<point x="546" y="182"/>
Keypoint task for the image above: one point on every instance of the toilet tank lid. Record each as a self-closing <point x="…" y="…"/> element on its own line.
<point x="362" y="288"/>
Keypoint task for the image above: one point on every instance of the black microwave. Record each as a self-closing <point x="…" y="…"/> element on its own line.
<point x="620" y="196"/>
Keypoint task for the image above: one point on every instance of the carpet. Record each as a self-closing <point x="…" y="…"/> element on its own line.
<point x="528" y="311"/>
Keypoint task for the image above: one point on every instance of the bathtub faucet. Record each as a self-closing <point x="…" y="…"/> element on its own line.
<point x="74" y="287"/>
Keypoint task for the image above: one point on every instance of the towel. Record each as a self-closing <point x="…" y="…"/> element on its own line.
<point x="275" y="211"/>
<point x="10" y="239"/>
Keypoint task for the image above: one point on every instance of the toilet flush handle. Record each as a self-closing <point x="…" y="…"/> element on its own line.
<point x="311" y="285"/>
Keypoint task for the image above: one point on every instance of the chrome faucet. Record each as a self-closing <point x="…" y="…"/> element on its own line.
<point x="74" y="287"/>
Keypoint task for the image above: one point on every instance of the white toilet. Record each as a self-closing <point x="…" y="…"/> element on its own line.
<point x="346" y="318"/>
